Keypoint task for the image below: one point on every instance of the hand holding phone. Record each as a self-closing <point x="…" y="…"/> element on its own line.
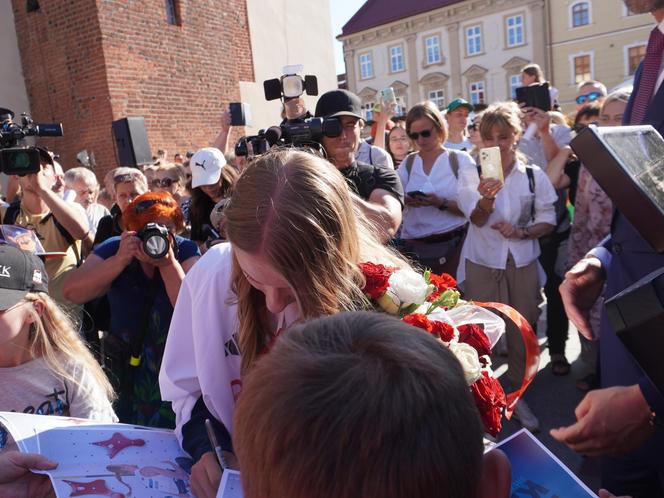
<point x="416" y="193"/>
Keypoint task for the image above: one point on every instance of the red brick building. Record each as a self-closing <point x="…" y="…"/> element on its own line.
<point x="178" y="63"/>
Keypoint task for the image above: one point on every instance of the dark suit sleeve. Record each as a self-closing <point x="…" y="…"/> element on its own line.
<point x="195" y="440"/>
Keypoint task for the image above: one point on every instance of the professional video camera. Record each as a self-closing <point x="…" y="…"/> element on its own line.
<point x="297" y="133"/>
<point x="22" y="160"/>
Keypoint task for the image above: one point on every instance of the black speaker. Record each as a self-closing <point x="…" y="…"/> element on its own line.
<point x="131" y="141"/>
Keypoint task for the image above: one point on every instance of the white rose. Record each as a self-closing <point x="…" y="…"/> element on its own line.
<point x="467" y="356"/>
<point x="409" y="287"/>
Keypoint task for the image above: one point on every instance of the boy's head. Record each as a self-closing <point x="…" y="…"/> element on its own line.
<point x="358" y="404"/>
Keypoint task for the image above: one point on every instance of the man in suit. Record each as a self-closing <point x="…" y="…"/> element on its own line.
<point x="623" y="420"/>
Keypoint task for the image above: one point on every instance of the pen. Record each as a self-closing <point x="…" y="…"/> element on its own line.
<point x="215" y="444"/>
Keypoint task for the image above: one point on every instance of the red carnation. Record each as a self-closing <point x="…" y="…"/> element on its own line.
<point x="490" y="400"/>
<point x="418" y="320"/>
<point x="442" y="282"/>
<point x="377" y="277"/>
<point x="443" y="330"/>
<point x="473" y="335"/>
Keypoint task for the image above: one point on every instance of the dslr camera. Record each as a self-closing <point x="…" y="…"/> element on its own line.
<point x="156" y="240"/>
<point x="22" y="160"/>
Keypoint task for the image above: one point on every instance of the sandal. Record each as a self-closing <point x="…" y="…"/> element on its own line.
<point x="559" y="365"/>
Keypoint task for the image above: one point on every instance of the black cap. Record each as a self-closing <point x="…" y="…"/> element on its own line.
<point x="20" y="273"/>
<point x="339" y="103"/>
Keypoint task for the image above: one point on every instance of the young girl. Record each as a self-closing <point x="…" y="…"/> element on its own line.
<point x="45" y="368"/>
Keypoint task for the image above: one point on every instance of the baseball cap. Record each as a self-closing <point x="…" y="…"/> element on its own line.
<point x="456" y="103"/>
<point x="20" y="273"/>
<point x="339" y="103"/>
<point x="206" y="166"/>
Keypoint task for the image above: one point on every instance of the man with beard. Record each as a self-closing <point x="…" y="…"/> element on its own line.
<point x="624" y="417"/>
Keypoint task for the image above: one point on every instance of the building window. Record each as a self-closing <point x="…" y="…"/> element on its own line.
<point x="474" y="40"/>
<point x="396" y="59"/>
<point x="432" y="44"/>
<point x="515" y="31"/>
<point x="173" y="12"/>
<point x="438" y="98"/>
<point x="366" y="66"/>
<point x="634" y="57"/>
<point x="367" y="111"/>
<point x="515" y="82"/>
<point x="582" y="69"/>
<point x="477" y="92"/>
<point x="580" y="14"/>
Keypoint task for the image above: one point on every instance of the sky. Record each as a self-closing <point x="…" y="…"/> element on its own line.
<point x="342" y="11"/>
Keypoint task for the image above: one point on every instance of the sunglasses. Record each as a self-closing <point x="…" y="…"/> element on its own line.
<point x="589" y="97"/>
<point x="163" y="183"/>
<point x="424" y="134"/>
<point x="472" y="127"/>
<point x="148" y="203"/>
<point x="123" y="178"/>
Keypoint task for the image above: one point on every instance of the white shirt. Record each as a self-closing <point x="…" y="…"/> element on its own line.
<point x="370" y="154"/>
<point x="465" y="145"/>
<point x="201" y="356"/>
<point x="95" y="212"/>
<point x="423" y="221"/>
<point x="485" y="245"/>
<point x="534" y="149"/>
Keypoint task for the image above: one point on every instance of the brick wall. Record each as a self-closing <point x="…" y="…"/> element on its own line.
<point x="87" y="63"/>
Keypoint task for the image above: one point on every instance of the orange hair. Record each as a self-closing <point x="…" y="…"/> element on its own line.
<point x="164" y="206"/>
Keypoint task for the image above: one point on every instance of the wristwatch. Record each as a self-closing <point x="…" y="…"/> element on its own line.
<point x="525" y="233"/>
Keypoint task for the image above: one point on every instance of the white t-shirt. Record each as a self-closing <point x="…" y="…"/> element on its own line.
<point x="370" y="154"/>
<point x="95" y="212"/>
<point x="202" y="354"/>
<point x="464" y="145"/>
<point x="33" y="387"/>
<point x="423" y="221"/>
<point x="485" y="245"/>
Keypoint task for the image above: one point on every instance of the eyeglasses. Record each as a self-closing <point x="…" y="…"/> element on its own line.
<point x="589" y="97"/>
<point x="424" y="134"/>
<point x="148" y="203"/>
<point x="163" y="183"/>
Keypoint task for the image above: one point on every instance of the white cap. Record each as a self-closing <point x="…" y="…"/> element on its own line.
<point x="206" y="166"/>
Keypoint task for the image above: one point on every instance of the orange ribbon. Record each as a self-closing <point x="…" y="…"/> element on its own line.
<point x="532" y="351"/>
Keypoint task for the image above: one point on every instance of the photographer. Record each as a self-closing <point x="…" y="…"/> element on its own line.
<point x="377" y="190"/>
<point x="141" y="290"/>
<point x="60" y="225"/>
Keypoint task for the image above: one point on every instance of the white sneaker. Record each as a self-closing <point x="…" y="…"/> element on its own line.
<point x="524" y="414"/>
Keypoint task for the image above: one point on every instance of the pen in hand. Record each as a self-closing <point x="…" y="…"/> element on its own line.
<point x="215" y="444"/>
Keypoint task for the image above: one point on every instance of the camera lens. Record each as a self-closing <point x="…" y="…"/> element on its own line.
<point x="155" y="246"/>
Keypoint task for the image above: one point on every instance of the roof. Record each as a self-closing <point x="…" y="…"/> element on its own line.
<point x="377" y="12"/>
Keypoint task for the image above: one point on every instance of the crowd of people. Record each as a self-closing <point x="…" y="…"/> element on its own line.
<point x="228" y="289"/>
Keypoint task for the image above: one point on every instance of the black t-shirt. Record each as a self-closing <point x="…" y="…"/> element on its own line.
<point x="109" y="226"/>
<point x="364" y="178"/>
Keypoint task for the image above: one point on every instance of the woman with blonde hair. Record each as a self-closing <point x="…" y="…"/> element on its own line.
<point x="433" y="227"/>
<point x="295" y="244"/>
<point x="45" y="367"/>
<point x="507" y="216"/>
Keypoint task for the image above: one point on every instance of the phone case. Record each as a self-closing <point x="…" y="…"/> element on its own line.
<point x="387" y="96"/>
<point x="490" y="163"/>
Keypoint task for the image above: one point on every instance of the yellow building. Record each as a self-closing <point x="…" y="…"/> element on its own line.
<point x="594" y="39"/>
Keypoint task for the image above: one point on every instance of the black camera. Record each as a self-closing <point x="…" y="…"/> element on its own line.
<point x="297" y="133"/>
<point x="156" y="240"/>
<point x="290" y="85"/>
<point x="17" y="160"/>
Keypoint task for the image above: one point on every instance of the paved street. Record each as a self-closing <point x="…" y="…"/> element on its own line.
<point x="553" y="400"/>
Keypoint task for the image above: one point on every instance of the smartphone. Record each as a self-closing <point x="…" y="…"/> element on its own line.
<point x="416" y="193"/>
<point x="534" y="96"/>
<point x="491" y="164"/>
<point x="240" y="114"/>
<point x="387" y="96"/>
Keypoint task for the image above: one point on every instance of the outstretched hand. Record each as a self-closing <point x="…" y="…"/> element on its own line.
<point x="582" y="286"/>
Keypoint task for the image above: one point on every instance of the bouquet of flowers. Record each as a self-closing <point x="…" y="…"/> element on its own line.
<point x="432" y="303"/>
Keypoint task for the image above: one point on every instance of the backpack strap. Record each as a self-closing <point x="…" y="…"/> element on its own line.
<point x="454" y="162"/>
<point x="531" y="185"/>
<point x="11" y="213"/>
<point x="65" y="234"/>
<point x="410" y="158"/>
